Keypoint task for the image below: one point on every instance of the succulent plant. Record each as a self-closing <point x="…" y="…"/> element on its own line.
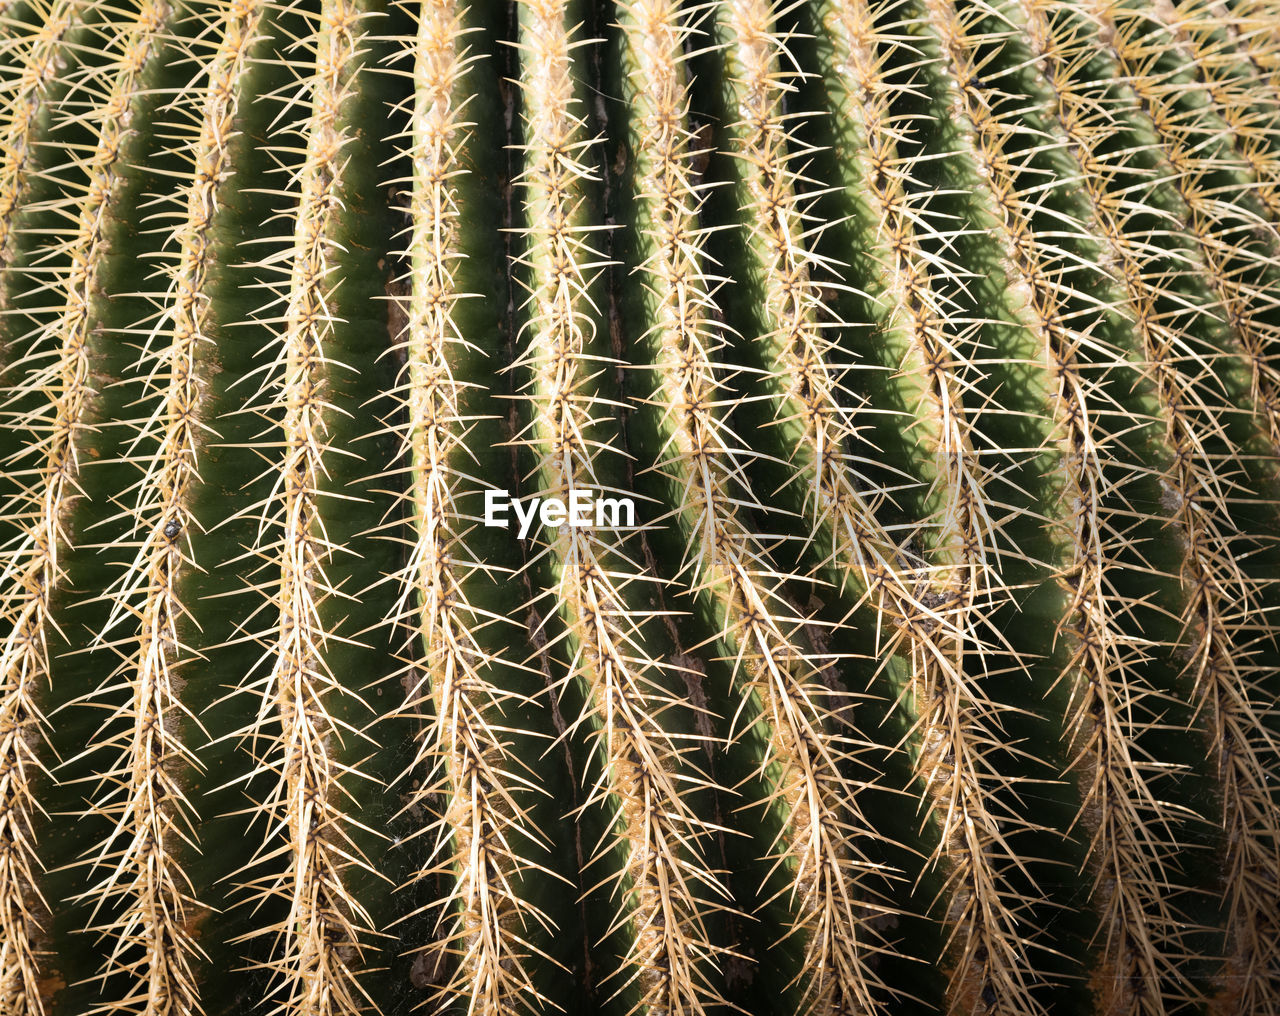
<point x="639" y="507"/>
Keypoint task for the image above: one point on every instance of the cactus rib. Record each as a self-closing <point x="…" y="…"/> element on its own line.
<point x="1130" y="875"/>
<point x="725" y="557"/>
<point x="1212" y="576"/>
<point x="32" y="570"/>
<point x="460" y="671"/>
<point x="1236" y="267"/>
<point x="317" y="944"/>
<point x="29" y="572"/>
<point x="956" y="716"/>
<point x="931" y="342"/>
<point x="1193" y="30"/>
<point x="660" y="833"/>
<point x="1252" y="30"/>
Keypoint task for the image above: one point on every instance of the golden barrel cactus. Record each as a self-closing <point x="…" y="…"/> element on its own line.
<point x="639" y="508"/>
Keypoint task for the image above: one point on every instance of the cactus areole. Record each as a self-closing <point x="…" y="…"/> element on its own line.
<point x="640" y="508"/>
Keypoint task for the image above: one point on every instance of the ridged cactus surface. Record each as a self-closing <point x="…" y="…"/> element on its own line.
<point x="907" y="635"/>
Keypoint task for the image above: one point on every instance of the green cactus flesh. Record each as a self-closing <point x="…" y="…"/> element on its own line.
<point x="935" y="346"/>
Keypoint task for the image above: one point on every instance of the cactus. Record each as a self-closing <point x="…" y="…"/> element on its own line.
<point x="639" y="508"/>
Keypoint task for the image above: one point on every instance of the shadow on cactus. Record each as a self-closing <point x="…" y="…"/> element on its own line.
<point x="639" y="507"/>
